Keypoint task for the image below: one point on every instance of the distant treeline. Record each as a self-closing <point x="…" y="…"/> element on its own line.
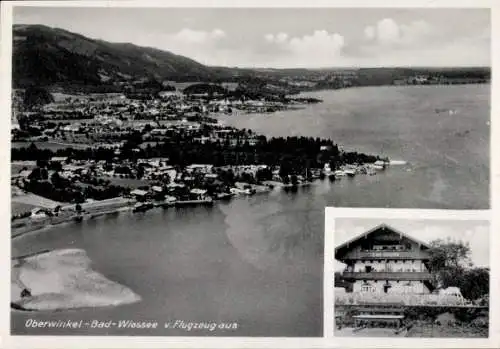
<point x="386" y="76"/>
<point x="256" y="85"/>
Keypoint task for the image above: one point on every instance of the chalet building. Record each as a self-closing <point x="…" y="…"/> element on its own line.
<point x="385" y="260"/>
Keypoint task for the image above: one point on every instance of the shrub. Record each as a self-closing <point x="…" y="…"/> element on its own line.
<point x="480" y="322"/>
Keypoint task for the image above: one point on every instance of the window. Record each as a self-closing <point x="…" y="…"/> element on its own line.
<point x="367" y="288"/>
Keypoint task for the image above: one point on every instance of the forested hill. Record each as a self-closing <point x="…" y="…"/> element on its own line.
<point x="48" y="56"/>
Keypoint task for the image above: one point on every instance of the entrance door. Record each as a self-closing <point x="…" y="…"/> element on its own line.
<point x="368" y="268"/>
<point x="386" y="287"/>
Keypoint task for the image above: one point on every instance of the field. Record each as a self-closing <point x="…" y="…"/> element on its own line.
<point x="20" y="207"/>
<point x="35" y="200"/>
<point x="182" y="85"/>
<point x="17" y="166"/>
<point x="49" y="145"/>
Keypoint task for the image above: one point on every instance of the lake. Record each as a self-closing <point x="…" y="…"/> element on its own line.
<point x="258" y="261"/>
<point x="448" y="152"/>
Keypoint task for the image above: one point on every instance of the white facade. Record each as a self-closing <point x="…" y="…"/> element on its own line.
<point x="401" y="286"/>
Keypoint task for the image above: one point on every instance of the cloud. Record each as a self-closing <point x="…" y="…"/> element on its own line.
<point x="317" y="49"/>
<point x="388" y="42"/>
<point x="387" y="32"/>
<point x="318" y="40"/>
<point x="201" y="45"/>
<point x="190" y="36"/>
<point x="370" y="32"/>
<point x="416" y="30"/>
<point x="280" y="38"/>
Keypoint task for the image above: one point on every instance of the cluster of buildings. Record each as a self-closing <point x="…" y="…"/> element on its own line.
<point x="145" y="180"/>
<point x="89" y="120"/>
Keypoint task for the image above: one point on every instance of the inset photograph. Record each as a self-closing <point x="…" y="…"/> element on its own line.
<point x="411" y="277"/>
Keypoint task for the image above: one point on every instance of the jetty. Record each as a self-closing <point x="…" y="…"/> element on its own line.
<point x="202" y="202"/>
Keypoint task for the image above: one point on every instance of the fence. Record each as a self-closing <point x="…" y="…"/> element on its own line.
<point x="360" y="298"/>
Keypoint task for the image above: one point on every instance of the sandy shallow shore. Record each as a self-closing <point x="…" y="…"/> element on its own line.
<point x="63" y="279"/>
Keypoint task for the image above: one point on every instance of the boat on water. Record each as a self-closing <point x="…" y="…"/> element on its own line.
<point x="327" y="172"/>
<point x="350" y="173"/>
<point x="238" y="191"/>
<point x="398" y="162"/>
<point x="315" y="174"/>
<point x="340" y="173"/>
<point x="223" y="196"/>
<point x="78" y="218"/>
<point x="379" y="165"/>
<point x="142" y="206"/>
<point x="445" y="110"/>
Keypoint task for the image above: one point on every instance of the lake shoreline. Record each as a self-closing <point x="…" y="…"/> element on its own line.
<point x="22" y="230"/>
<point x="264" y="188"/>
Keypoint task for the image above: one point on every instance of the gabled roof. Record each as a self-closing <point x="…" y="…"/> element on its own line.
<point x="375" y="229"/>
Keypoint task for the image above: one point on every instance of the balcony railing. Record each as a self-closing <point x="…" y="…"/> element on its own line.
<point x="388" y="275"/>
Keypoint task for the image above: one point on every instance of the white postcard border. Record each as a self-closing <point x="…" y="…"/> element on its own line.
<point x="8" y="341"/>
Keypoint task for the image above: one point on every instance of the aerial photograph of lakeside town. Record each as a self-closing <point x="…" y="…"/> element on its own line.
<point x="170" y="178"/>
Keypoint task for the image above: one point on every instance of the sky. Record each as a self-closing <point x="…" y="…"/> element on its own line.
<point x="475" y="233"/>
<point x="287" y="38"/>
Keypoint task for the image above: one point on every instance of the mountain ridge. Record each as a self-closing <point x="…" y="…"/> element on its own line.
<point x="55" y="57"/>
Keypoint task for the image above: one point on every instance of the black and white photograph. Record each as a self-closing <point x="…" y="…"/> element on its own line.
<point x="411" y="278"/>
<point x="170" y="166"/>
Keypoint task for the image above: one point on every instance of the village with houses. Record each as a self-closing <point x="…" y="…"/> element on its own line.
<point x="78" y="156"/>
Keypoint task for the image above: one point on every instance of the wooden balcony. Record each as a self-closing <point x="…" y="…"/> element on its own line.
<point x="388" y="275"/>
<point x="376" y="255"/>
